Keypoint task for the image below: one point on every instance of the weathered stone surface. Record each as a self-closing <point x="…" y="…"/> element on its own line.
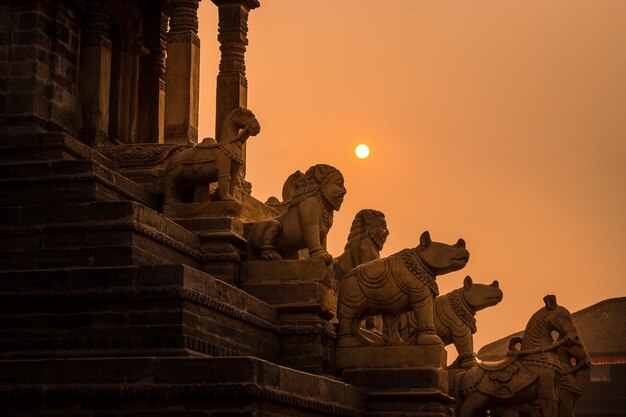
<point x="408" y="392"/>
<point x="67" y="181"/>
<point x="390" y="357"/>
<point x="92" y="234"/>
<point x="182" y="387"/>
<point x="310" y="270"/>
<point x="169" y="310"/>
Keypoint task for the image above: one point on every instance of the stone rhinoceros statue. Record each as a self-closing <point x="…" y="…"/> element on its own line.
<point x="454" y="318"/>
<point x="390" y="286"/>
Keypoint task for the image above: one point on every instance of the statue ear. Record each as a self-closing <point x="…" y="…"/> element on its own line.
<point x="550" y="301"/>
<point x="495" y="284"/>
<point x="467" y="283"/>
<point x="425" y="239"/>
<point x="460" y="243"/>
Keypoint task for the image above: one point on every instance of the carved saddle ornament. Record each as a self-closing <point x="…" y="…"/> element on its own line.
<point x="499" y="379"/>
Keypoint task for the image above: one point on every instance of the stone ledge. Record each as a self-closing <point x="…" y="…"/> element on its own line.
<point x="391" y="357"/>
<point x="310" y="270"/>
<point x="179" y="380"/>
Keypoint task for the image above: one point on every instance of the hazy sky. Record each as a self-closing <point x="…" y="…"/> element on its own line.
<point x="502" y="122"/>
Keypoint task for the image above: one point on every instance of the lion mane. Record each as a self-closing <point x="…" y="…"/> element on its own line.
<point x="363" y="228"/>
<point x="308" y="184"/>
<point x="363" y="245"/>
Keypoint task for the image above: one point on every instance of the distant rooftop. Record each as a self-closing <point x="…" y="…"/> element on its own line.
<point x="601" y="327"/>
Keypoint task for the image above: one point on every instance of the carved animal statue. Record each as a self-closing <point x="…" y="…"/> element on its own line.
<point x="530" y="374"/>
<point x="211" y="161"/>
<point x="368" y="234"/>
<point x="454" y="318"/>
<point x="397" y="284"/>
<point x="306" y="222"/>
<point x="569" y="389"/>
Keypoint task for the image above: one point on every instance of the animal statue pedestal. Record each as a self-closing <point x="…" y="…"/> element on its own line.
<point x="304" y="294"/>
<point x="407" y="392"/>
<point x="390" y="357"/>
<point x="203" y="209"/>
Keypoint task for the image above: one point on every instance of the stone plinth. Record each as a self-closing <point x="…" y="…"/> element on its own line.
<point x="305" y="296"/>
<point x="391" y="357"/>
<point x="202" y="209"/>
<point x="406" y="392"/>
<point x="222" y="243"/>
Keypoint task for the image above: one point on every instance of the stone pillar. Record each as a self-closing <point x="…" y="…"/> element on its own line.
<point x="183" y="74"/>
<point x="95" y="73"/>
<point x="151" y="117"/>
<point x="232" y="85"/>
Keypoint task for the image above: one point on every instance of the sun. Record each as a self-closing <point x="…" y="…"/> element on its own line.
<point x="362" y="151"/>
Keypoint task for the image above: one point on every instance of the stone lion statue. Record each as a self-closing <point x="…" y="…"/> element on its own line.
<point x="368" y="234"/>
<point x="211" y="161"/>
<point x="402" y="282"/>
<point x="454" y="318"/>
<point x="318" y="193"/>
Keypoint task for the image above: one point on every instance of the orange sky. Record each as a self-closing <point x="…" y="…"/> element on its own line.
<point x="500" y="122"/>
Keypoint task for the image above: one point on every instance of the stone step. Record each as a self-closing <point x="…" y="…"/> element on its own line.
<point x="65" y="181"/>
<point x="165" y="310"/>
<point x="121" y="233"/>
<point x="183" y="387"/>
<point x="48" y="147"/>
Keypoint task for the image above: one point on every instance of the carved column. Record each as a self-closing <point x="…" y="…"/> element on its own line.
<point x="151" y="117"/>
<point x="232" y="85"/>
<point x="183" y="74"/>
<point x="95" y="73"/>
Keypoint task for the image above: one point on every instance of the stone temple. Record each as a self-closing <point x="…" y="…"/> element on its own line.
<point x="139" y="276"/>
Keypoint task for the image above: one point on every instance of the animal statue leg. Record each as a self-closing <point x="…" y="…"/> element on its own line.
<point x="548" y="399"/>
<point x="473" y="405"/>
<point x="265" y="235"/>
<point x="423" y="306"/>
<point x="234" y="178"/>
<point x="463" y="342"/>
<point x="223" y="187"/>
<point x="566" y="404"/>
<point x="391" y="333"/>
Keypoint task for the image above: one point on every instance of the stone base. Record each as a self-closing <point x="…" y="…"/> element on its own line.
<point x="305" y="297"/>
<point x="310" y="270"/>
<point x="195" y="210"/>
<point x="390" y="357"/>
<point x="406" y="392"/>
<point x="181" y="387"/>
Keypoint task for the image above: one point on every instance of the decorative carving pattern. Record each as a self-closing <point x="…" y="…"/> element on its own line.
<point x="128" y="156"/>
<point x="96" y="20"/>
<point x="463" y="310"/>
<point x="96" y="41"/>
<point x="414" y="264"/>
<point x="232" y="32"/>
<point x="184" y="16"/>
<point x="183" y="130"/>
<point x="183" y="37"/>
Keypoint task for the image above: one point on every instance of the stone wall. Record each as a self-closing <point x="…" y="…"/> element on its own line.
<point x="39" y="44"/>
